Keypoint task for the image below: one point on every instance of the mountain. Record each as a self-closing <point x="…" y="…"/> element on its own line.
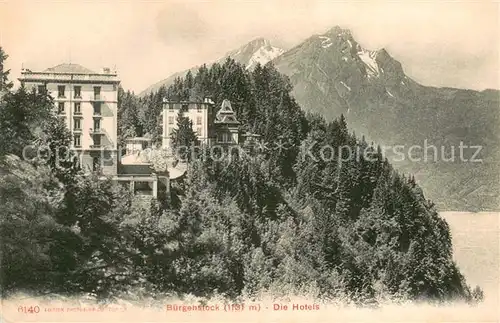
<point x="259" y="50"/>
<point x="333" y="74"/>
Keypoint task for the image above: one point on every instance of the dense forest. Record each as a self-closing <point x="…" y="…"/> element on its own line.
<point x="279" y="221"/>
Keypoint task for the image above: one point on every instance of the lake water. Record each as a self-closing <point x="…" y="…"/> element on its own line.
<point x="476" y="248"/>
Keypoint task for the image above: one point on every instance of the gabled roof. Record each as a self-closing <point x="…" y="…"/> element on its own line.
<point x="227" y="119"/>
<point x="226" y="107"/>
<point x="69" y="68"/>
<point x="226" y="114"/>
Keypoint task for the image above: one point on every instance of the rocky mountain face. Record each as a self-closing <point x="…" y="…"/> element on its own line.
<point x="259" y="50"/>
<point x="333" y="74"/>
<point x="419" y="127"/>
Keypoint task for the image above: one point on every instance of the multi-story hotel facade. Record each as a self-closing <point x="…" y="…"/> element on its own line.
<point x="88" y="103"/>
<point x="200" y="113"/>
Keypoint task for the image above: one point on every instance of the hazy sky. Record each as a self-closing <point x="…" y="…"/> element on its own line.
<point x="438" y="43"/>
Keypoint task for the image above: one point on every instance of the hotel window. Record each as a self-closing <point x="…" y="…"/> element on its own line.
<point x="97" y="140"/>
<point x="198" y="120"/>
<point x="170" y="106"/>
<point x="97" y="108"/>
<point x="226" y="137"/>
<point x="77" y="140"/>
<point x="96" y="161"/>
<point x="60" y="91"/>
<point x="184" y="108"/>
<point x="198" y="107"/>
<point x="77" y="124"/>
<point x="78" y="108"/>
<point x="60" y="108"/>
<point x="97" y="92"/>
<point x="78" y="92"/>
<point x="97" y="124"/>
<point x="198" y="131"/>
<point x="220" y="137"/>
<point x="42" y="89"/>
<point x="170" y="120"/>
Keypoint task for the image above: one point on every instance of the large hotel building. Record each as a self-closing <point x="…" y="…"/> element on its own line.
<point x="87" y="101"/>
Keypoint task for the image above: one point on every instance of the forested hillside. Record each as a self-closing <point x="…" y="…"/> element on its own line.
<point x="281" y="220"/>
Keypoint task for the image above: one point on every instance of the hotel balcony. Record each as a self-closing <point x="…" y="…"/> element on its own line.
<point x="99" y="131"/>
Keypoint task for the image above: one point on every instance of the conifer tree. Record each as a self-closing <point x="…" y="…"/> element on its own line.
<point x="5" y="84"/>
<point x="23" y="117"/>
<point x="183" y="137"/>
<point x="129" y="116"/>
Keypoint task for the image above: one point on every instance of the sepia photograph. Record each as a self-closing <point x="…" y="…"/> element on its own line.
<point x="244" y="161"/>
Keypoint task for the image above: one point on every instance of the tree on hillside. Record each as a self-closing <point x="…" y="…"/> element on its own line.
<point x="61" y="238"/>
<point x="129" y="122"/>
<point x="4" y="74"/>
<point x="150" y="113"/>
<point x="183" y="137"/>
<point x="23" y="118"/>
<point x="30" y="198"/>
<point x="30" y="129"/>
<point x="159" y="162"/>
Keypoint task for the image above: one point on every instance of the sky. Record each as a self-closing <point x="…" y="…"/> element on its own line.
<point x="445" y="43"/>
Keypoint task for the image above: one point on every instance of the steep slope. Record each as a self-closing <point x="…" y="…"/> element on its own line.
<point x="333" y="74"/>
<point x="259" y="50"/>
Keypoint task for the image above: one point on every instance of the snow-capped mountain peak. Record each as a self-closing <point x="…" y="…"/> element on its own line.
<point x="351" y="51"/>
<point x="368" y="58"/>
<point x="263" y="55"/>
<point x="259" y="50"/>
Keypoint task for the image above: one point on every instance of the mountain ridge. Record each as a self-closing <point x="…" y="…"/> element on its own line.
<point x="332" y="74"/>
<point x="259" y="50"/>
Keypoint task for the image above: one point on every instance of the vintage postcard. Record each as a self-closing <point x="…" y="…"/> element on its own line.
<point x="243" y="161"/>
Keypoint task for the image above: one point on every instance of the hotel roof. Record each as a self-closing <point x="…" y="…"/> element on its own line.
<point x="70" y="69"/>
<point x="226" y="113"/>
<point x="69" y="73"/>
